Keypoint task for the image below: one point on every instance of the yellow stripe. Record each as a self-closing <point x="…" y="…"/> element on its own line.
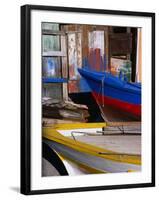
<point x="85" y="167"/>
<point x="54" y="135"/>
<point x="130" y="170"/>
<point x="78" y="126"/>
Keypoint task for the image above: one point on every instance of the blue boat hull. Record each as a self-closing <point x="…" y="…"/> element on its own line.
<point x="112" y="91"/>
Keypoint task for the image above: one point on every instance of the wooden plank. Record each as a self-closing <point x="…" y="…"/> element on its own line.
<point x="52" y="32"/>
<point x="84" y="41"/>
<point x="110" y="30"/>
<point x="133" y="54"/>
<point x="139" y="55"/>
<point x="79" y="49"/>
<point x="61" y="33"/>
<point x="65" y="91"/>
<point x="130" y="123"/>
<point x="106" y="46"/>
<point x="64" y="60"/>
<point x="72" y="56"/>
<point x="128" y="29"/>
<point x="54" y="53"/>
<point x="49" y="122"/>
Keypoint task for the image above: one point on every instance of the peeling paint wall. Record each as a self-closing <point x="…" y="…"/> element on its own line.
<point x="96" y="41"/>
<point x="79" y="49"/>
<point x="72" y="56"/>
<point x="84" y="42"/>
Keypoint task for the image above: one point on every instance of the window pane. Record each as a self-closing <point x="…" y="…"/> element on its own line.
<point x="51" y="43"/>
<point x="50" y="26"/>
<point x="51" y="67"/>
<point x="53" y="90"/>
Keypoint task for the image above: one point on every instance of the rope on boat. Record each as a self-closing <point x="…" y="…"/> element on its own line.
<point x="102" y="90"/>
<point x="107" y="133"/>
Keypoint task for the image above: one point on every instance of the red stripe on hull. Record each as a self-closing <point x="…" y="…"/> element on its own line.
<point x="132" y="109"/>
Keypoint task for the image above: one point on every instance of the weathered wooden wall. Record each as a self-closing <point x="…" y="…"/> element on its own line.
<point x="85" y="42"/>
<point x="77" y="45"/>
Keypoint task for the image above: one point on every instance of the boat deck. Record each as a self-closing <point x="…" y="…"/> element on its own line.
<point x="130" y="144"/>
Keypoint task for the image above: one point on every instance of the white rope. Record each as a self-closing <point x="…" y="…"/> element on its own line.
<point x="102" y="90"/>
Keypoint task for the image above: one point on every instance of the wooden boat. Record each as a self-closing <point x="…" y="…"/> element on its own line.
<point x="92" y="158"/>
<point x="114" y="91"/>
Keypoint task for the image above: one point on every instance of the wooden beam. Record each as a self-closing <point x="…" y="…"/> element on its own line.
<point x="133" y="53"/>
<point x="52" y="32"/>
<point x="54" y="53"/>
<point x="85" y="41"/>
<point x="106" y="46"/>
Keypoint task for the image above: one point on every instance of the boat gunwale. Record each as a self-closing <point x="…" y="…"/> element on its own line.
<point x="134" y="89"/>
